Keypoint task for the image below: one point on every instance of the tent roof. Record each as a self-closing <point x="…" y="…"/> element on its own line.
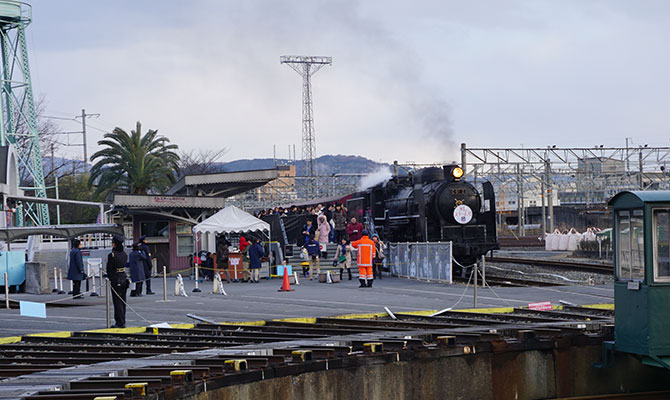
<point x="231" y="219"/>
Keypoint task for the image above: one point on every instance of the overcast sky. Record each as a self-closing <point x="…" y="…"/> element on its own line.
<point x="410" y="81"/>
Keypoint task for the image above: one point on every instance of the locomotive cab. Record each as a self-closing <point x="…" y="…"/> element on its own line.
<point x="642" y="277"/>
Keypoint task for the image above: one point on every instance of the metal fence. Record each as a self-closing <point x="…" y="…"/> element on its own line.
<point x="429" y="261"/>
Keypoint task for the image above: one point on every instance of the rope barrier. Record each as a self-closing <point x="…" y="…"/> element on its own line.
<point x="127" y="305"/>
<point x="496" y="294"/>
<point x="459" y="299"/>
<point x="69" y="297"/>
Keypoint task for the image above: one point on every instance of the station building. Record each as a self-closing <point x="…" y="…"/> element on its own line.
<point x="168" y="219"/>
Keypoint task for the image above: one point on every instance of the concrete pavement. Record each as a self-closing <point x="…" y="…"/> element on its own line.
<point x="249" y="301"/>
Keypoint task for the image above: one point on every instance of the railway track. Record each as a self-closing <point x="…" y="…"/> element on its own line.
<point x="503" y="281"/>
<point x="655" y="395"/>
<point x="174" y="363"/>
<point x="570" y="265"/>
<point x="523" y="241"/>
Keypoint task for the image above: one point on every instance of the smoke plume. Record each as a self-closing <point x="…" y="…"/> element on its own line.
<point x="375" y="177"/>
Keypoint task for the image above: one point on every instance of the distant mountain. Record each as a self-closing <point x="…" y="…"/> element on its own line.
<point x="325" y="165"/>
<point x="64" y="166"/>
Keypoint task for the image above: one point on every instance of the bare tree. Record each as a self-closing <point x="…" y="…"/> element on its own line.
<point x="200" y="161"/>
<point x="47" y="132"/>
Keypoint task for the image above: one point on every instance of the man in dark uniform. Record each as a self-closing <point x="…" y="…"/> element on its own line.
<point x="76" y="272"/>
<point x="147" y="263"/>
<point x="116" y="273"/>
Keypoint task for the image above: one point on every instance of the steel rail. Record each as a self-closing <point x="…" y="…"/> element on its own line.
<point x="571" y="265"/>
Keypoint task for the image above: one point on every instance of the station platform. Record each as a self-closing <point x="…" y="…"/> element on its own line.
<point x="262" y="301"/>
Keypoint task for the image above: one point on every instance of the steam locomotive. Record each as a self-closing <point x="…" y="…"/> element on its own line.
<point x="432" y="204"/>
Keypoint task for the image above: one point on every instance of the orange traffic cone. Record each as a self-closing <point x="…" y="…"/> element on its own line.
<point x="286" y="286"/>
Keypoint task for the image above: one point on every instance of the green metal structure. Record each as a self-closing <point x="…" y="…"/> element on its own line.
<point x="642" y="275"/>
<point x="18" y="125"/>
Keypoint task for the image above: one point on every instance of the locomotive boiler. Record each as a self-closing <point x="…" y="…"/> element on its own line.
<point x="432" y="204"/>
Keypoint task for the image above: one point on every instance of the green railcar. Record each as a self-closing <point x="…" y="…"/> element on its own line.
<point x="641" y="236"/>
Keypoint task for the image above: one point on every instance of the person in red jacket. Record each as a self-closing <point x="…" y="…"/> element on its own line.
<point x="354" y="230"/>
<point x="366" y="254"/>
<point x="243" y="244"/>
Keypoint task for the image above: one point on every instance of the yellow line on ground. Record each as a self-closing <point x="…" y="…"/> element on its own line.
<point x="603" y="306"/>
<point x="493" y="310"/>
<point x="10" y="339"/>
<point x="132" y="329"/>
<point x="359" y="316"/>
<point x="183" y="326"/>
<point x="299" y="320"/>
<point x="243" y="323"/>
<point x="62" y="334"/>
<point x="419" y="312"/>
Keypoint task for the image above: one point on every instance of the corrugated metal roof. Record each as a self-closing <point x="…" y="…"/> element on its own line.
<point x="151" y="201"/>
<point x="255" y="176"/>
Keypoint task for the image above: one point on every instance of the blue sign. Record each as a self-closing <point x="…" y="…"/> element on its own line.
<point x="280" y="269"/>
<point x="33" y="309"/>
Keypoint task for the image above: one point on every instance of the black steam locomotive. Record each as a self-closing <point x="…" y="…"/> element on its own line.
<point x="432" y="204"/>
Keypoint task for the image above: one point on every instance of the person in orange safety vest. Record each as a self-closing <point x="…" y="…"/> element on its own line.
<point x="366" y="253"/>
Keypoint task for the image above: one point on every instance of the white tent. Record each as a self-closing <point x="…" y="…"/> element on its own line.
<point x="230" y="220"/>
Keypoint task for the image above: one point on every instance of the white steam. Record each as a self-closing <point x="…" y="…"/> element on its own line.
<point x="379" y="175"/>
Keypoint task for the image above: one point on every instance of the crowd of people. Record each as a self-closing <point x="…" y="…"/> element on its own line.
<point x="296" y="210"/>
<point x="252" y="252"/>
<point x="332" y="227"/>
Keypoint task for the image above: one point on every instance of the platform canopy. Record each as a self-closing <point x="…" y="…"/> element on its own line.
<point x="232" y="220"/>
<point x="66" y="231"/>
<point x="222" y="184"/>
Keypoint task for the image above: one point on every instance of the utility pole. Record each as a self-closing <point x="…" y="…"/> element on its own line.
<point x="550" y="194"/>
<point x="641" y="170"/>
<point x="83" y="132"/>
<point x="519" y="200"/>
<point x="464" y="164"/>
<point x="544" y="210"/>
<point x="627" y="155"/>
<point x="306" y="66"/>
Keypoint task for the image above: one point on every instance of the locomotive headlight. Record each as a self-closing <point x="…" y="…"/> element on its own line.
<point x="457" y="172"/>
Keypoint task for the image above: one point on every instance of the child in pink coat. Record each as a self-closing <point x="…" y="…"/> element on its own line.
<point x="324" y="231"/>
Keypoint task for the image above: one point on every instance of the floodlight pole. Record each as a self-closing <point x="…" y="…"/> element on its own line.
<point x="306" y="66"/>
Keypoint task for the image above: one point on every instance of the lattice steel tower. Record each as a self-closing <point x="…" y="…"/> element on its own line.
<point x="307" y="66"/>
<point x="18" y="123"/>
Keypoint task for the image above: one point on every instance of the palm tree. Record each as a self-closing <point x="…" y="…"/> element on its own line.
<point x="136" y="163"/>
